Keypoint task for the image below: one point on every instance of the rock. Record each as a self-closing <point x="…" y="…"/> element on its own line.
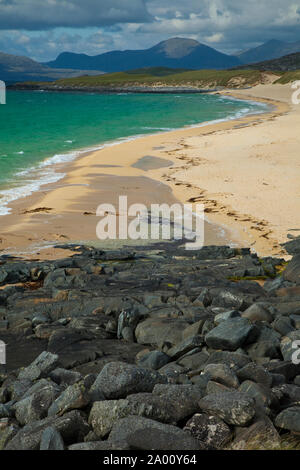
<point x="41" y="367"/>
<point x="257" y="312"/>
<point x="261" y="435"/>
<point x="64" y="376"/>
<point x="118" y="380"/>
<point x="230" y="334"/>
<point x="209" y="430"/>
<point x="186" y="346"/>
<point x="156" y="331"/>
<point x="223" y="374"/>
<point x="283" y="325"/>
<point x="35" y="406"/>
<point x="292" y="271"/>
<point x="296" y="321"/>
<point x="75" y="397"/>
<point x="194" y="361"/>
<point x="289" y="419"/>
<point x="162" y="439"/>
<point x="193" y="330"/>
<point x="215" y="387"/>
<point x="126" y="427"/>
<point x="226" y="316"/>
<point x="51" y="440"/>
<point x="256" y="373"/>
<point x="234" y="408"/>
<point x="286" y="368"/>
<point x="154" y="360"/>
<point x="167" y="404"/>
<point x="71" y="426"/>
<point x="8" y="430"/>
<point x="234" y="360"/>
<point x="128" y="334"/>
<point x="261" y="394"/>
<point x="127" y="320"/>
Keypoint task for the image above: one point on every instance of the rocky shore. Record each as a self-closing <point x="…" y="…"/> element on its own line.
<point x="155" y="348"/>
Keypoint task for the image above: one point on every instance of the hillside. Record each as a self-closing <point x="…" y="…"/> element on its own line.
<point x="159" y="78"/>
<point x="270" y="50"/>
<point x="18" y="68"/>
<point x="287" y="63"/>
<point x="174" y="53"/>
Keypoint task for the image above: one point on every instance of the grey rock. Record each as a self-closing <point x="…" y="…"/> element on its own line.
<point x="154" y="360"/>
<point x="64" y="376"/>
<point x="256" y="373"/>
<point x="292" y="272"/>
<point x="71" y="426"/>
<point x="194" y="361"/>
<point x="209" y="430"/>
<point x="118" y="379"/>
<point x="156" y="331"/>
<point x="234" y="408"/>
<point x="234" y="360"/>
<point x="226" y="316"/>
<point x="75" y="397"/>
<point x="230" y="334"/>
<point x="261" y="435"/>
<point x="223" y="374"/>
<point x="283" y="325"/>
<point x="289" y="419"/>
<point x="186" y="346"/>
<point x="41" y="367"/>
<point x="35" y="406"/>
<point x="51" y="440"/>
<point x="257" y="312"/>
<point x="260" y="393"/>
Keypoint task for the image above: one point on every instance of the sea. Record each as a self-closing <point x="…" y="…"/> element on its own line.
<point x="40" y="129"/>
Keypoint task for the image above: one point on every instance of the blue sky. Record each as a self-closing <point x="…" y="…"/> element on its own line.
<point x="42" y="29"/>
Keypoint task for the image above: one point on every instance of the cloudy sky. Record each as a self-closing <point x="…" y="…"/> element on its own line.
<point x="42" y="29"/>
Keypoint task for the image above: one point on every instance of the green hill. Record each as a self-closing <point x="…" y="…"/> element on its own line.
<point x="162" y="77"/>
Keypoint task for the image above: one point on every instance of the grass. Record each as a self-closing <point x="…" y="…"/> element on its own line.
<point x="161" y="76"/>
<point x="288" y="77"/>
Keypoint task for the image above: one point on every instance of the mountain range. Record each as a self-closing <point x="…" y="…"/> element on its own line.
<point x="175" y="53"/>
<point x="269" y="50"/>
<point x="18" y="68"/>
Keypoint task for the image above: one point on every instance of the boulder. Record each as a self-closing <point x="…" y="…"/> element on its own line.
<point x="209" y="430"/>
<point x="230" y="334"/>
<point x="118" y="380"/>
<point x="41" y="367"/>
<point x="51" y="440"/>
<point x="234" y="407"/>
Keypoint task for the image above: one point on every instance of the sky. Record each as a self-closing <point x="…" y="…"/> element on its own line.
<point x="42" y="29"/>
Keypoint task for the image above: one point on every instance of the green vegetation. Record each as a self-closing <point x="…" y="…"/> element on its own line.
<point x="289" y="77"/>
<point x="160" y="76"/>
<point x="166" y="77"/>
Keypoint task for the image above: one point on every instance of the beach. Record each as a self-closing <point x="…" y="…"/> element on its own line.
<point x="245" y="172"/>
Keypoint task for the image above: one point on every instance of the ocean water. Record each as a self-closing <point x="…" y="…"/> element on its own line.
<point x="40" y="129"/>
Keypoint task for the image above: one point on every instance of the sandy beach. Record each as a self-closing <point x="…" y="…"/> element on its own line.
<point x="246" y="173"/>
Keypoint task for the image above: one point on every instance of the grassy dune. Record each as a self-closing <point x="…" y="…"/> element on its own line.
<point x="164" y="77"/>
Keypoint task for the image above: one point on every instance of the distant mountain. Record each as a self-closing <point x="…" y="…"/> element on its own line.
<point x="173" y="53"/>
<point x="286" y="63"/>
<point x="18" y="68"/>
<point x="270" y="50"/>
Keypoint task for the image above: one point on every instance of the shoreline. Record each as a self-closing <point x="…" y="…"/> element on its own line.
<point x="66" y="205"/>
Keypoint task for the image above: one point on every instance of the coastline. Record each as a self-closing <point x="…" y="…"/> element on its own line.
<point x="71" y="214"/>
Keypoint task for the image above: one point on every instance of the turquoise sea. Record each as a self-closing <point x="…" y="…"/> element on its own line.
<point x="41" y="129"/>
